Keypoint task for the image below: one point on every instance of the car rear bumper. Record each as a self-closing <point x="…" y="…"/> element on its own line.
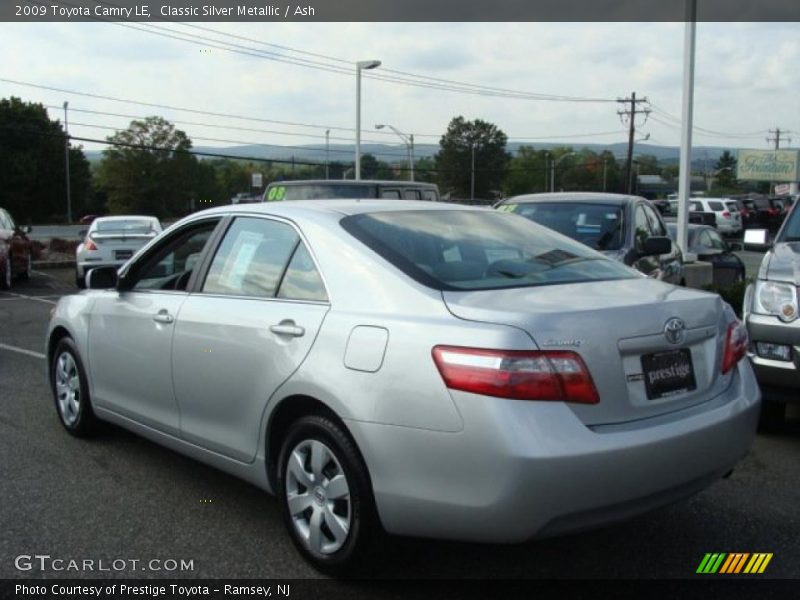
<point x="521" y="469"/>
<point x="780" y="379"/>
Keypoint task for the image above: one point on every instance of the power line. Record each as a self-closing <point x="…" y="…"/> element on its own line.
<point x="402" y="77"/>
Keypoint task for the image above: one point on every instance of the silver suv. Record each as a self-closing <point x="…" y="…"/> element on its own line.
<point x="728" y="219"/>
<point x="771" y="315"/>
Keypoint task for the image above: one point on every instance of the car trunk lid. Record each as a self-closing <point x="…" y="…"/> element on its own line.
<point x="618" y="329"/>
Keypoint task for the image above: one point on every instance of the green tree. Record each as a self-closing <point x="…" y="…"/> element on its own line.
<point x="454" y="159"/>
<point x="32" y="167"/>
<point x="149" y="170"/>
<point x="725" y="171"/>
<point x="528" y="172"/>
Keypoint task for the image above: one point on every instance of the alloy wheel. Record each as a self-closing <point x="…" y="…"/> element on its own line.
<point x="68" y="388"/>
<point x="318" y="497"/>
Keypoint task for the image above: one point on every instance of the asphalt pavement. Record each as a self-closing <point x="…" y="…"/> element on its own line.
<point x="120" y="497"/>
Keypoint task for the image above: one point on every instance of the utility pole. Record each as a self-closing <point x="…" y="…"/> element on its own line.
<point x="472" y="177"/>
<point x="630" y="115"/>
<point x="777" y="139"/>
<point x="605" y="166"/>
<point x="66" y="162"/>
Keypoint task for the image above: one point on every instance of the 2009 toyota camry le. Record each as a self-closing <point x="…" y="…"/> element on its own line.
<point x="415" y="368"/>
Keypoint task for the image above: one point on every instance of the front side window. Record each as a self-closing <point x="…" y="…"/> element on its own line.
<point x="171" y="265"/>
<point x="474" y="250"/>
<point x="791" y="230"/>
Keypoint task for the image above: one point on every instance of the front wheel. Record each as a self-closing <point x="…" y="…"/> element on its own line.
<point x="71" y="390"/>
<point x="325" y="495"/>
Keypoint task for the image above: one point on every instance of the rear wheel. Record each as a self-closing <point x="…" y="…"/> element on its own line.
<point x="71" y="390"/>
<point x="80" y="281"/>
<point x="26" y="274"/>
<point x="325" y="495"/>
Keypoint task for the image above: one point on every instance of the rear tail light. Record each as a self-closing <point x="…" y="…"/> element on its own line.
<point x="88" y="244"/>
<point x="521" y="375"/>
<point x="726" y="214"/>
<point x="735" y="346"/>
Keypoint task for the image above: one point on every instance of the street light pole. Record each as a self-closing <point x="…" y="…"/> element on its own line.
<point x="327" y="151"/>
<point x="408" y="140"/>
<point x="361" y="65"/>
<point x="555" y="163"/>
<point x="472" y="175"/>
<point x="66" y="162"/>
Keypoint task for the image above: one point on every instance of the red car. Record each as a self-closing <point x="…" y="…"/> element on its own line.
<point x="15" y="251"/>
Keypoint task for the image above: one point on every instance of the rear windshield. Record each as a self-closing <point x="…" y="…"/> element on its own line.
<point x="320" y="191"/>
<point x="474" y="250"/>
<point x="125" y="225"/>
<point x="599" y="226"/>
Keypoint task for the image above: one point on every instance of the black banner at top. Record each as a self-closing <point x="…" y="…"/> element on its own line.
<point x="399" y="10"/>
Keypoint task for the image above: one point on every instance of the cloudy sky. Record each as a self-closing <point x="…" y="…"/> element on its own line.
<point x="747" y="78"/>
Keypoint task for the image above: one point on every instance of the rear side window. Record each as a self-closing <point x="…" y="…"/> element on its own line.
<point x="474" y="250"/>
<point x="302" y="280"/>
<point x="324" y="191"/>
<point x="716" y="206"/>
<point x="391" y="194"/>
<point x="251" y="259"/>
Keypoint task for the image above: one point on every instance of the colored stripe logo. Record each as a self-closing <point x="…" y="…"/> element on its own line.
<point x="734" y="563"/>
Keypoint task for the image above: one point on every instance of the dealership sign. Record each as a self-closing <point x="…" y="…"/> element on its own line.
<point x="768" y="165"/>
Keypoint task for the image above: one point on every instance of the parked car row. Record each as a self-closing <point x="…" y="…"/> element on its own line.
<point x="554" y="388"/>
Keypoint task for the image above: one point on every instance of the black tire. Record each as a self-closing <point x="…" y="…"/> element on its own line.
<point x="80" y="281"/>
<point x="6" y="274"/>
<point x="773" y="415"/>
<point x="26" y="274"/>
<point x="364" y="529"/>
<point x="67" y="364"/>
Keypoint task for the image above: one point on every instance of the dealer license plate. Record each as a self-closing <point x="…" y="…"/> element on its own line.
<point x="668" y="373"/>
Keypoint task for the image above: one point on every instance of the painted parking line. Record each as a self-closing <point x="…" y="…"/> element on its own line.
<point x="22" y="351"/>
<point x="14" y="295"/>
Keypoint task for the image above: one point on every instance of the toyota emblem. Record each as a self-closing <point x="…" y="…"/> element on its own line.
<point x="675" y="330"/>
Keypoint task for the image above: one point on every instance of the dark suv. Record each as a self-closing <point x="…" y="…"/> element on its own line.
<point x="627" y="228"/>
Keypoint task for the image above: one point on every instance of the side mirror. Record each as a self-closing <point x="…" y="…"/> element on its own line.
<point x="102" y="278"/>
<point x="656" y="245"/>
<point x="757" y="240"/>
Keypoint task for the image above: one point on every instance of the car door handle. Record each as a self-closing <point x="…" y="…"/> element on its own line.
<point x="288" y="328"/>
<point x="163" y="316"/>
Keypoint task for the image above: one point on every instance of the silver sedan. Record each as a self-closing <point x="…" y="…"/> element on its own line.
<point x="407" y="367"/>
<point x="111" y="241"/>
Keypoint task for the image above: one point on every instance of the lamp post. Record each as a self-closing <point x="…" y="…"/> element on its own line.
<point x="360" y="66"/>
<point x="327" y="151"/>
<point x="472" y="174"/>
<point x="66" y="162"/>
<point x="408" y="140"/>
<point x="553" y="165"/>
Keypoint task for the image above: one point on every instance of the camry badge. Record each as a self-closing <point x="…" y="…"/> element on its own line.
<point x="675" y="330"/>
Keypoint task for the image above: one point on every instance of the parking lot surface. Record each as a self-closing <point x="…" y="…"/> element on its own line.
<point x="118" y="496"/>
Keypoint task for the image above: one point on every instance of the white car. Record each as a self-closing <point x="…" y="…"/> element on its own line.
<point x="111" y="241"/>
<point x="729" y="221"/>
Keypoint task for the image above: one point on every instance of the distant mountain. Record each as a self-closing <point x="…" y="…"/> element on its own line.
<point x="703" y="156"/>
